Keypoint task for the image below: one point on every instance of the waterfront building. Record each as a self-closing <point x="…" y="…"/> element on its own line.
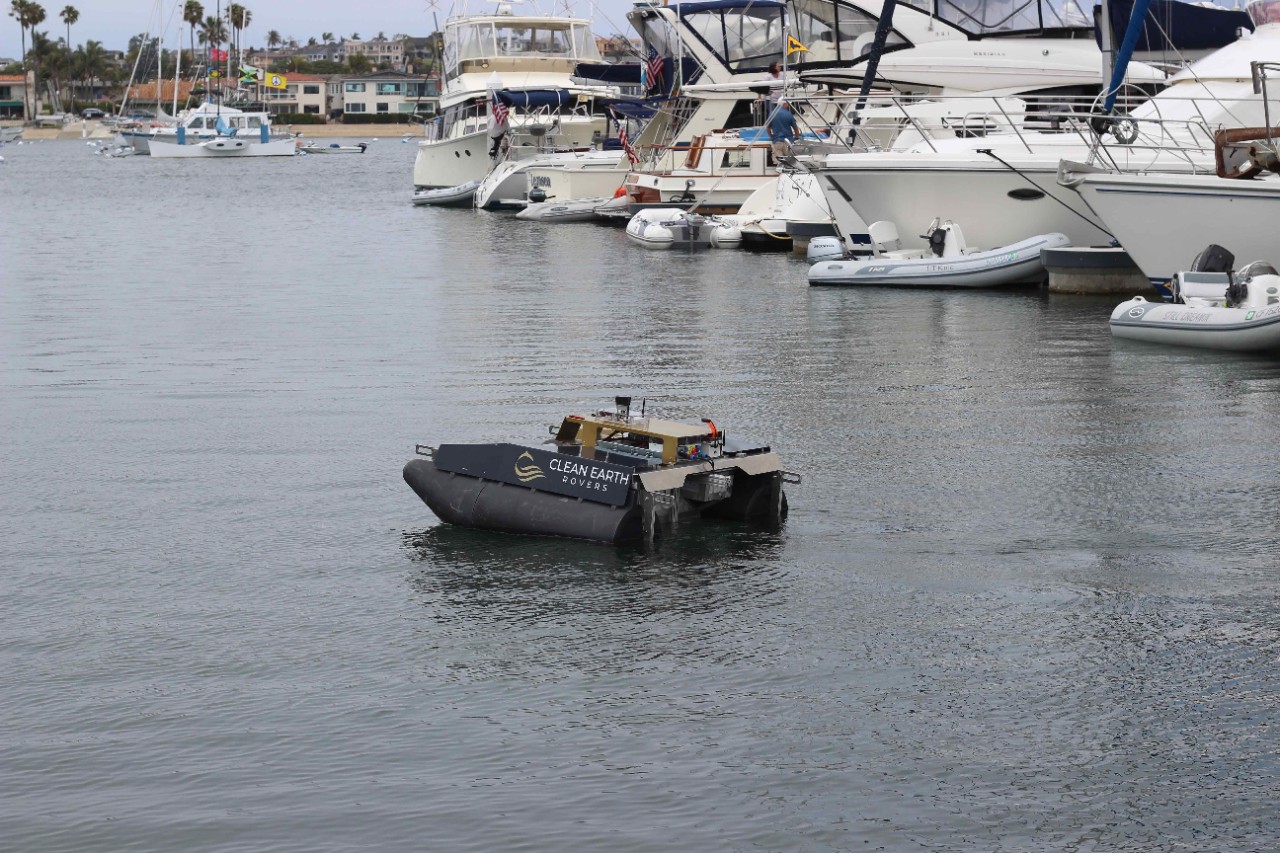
<point x="13" y="91"/>
<point x="389" y="92"/>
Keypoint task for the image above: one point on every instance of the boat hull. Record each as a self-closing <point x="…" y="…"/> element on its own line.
<point x="998" y="206"/>
<point x="1163" y="221"/>
<point x="488" y="505"/>
<point x="224" y="148"/>
<point x="574" y="210"/>
<point x="1234" y="329"/>
<point x="1018" y="263"/>
<point x="459" y="196"/>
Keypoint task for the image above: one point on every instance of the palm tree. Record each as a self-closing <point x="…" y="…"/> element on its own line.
<point x="192" y="14"/>
<point x="35" y="17"/>
<point x="89" y="62"/>
<point x="311" y="42"/>
<point x="327" y="38"/>
<point x="69" y="15"/>
<point x="239" y="17"/>
<point x="20" y="10"/>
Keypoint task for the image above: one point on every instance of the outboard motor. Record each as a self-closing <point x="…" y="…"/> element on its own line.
<point x="1259" y="275"/>
<point x="938" y="240"/>
<point x="1214" y="258"/>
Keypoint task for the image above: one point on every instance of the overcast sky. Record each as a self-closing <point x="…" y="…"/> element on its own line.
<point x="113" y="22"/>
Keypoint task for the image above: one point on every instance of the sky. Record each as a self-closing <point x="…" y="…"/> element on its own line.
<point x="114" y="22"/>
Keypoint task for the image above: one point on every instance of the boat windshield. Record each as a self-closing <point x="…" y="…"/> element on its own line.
<point x="835" y="32"/>
<point x="519" y="38"/>
<point x="999" y="17"/>
<point x="745" y="37"/>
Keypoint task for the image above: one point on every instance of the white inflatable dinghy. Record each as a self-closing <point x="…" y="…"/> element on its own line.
<point x="1216" y="310"/>
<point x="459" y="196"/>
<point x="675" y="227"/>
<point x="570" y="210"/>
<point x="947" y="262"/>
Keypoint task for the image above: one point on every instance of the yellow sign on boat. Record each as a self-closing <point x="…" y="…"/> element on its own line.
<point x="794" y="46"/>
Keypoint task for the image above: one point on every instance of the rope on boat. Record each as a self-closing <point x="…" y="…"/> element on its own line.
<point x="1015" y="170"/>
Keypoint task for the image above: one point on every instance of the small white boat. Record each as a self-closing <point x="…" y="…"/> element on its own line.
<point x="1214" y="310"/>
<point x="459" y="196"/>
<point x="948" y="262"/>
<point x="674" y="227"/>
<point x="570" y="210"/>
<point x="314" y="147"/>
<point x="10" y="134"/>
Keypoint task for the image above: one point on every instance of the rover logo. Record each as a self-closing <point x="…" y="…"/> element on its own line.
<point x="528" y="472"/>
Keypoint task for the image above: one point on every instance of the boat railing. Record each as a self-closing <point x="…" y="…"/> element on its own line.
<point x="1182" y="128"/>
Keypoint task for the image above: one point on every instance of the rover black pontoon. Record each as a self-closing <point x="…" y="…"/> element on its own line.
<point x="606" y="477"/>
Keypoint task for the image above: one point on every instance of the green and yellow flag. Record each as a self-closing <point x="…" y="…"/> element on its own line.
<point x="794" y="46"/>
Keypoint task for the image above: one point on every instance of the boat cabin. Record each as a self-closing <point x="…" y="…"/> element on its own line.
<point x="508" y="43"/>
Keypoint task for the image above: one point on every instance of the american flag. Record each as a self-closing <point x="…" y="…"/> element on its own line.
<point x="625" y="139"/>
<point x="500" y="110"/>
<point x="653" y="67"/>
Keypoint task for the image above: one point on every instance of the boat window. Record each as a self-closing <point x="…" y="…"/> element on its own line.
<point x="991" y="17"/>
<point x="835" y="32"/>
<point x="744" y="39"/>
<point x="255" y="122"/>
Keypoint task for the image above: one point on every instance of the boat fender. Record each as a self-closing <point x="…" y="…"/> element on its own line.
<point x="620" y="191"/>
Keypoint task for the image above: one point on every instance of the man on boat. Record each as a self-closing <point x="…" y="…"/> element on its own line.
<point x="782" y="130"/>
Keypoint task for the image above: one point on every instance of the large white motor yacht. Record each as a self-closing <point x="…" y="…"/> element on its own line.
<point x="508" y="85"/>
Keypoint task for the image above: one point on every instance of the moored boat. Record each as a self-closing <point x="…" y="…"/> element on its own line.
<point x="314" y="147"/>
<point x="459" y="196"/>
<point x="1237" y="311"/>
<point x="948" y="262"/>
<point x="572" y="210"/>
<point x="606" y="477"/>
<point x="674" y="227"/>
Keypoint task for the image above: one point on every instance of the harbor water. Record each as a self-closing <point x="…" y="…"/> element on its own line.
<point x="1026" y="598"/>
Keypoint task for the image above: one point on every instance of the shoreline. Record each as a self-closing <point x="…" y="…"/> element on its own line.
<point x="97" y="130"/>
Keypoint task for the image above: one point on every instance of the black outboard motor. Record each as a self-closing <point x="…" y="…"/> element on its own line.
<point x="1214" y="258"/>
<point x="938" y="240"/>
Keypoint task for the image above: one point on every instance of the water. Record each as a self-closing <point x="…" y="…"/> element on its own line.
<point x="1026" y="598"/>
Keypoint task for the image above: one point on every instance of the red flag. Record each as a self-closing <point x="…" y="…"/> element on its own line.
<point x="218" y="55"/>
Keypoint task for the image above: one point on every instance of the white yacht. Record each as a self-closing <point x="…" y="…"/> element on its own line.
<point x="508" y="87"/>
<point x="1003" y="186"/>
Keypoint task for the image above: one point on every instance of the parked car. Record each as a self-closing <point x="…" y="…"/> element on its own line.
<point x="92" y="112"/>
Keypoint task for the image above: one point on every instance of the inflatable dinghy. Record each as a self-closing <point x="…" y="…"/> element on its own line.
<point x="947" y="262"/>
<point x="333" y="148"/>
<point x="606" y="477"/>
<point x="459" y="196"/>
<point x="675" y="227"/>
<point x="570" y="210"/>
<point x="1237" y="311"/>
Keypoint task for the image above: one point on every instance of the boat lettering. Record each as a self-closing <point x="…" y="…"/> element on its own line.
<point x="584" y="474"/>
<point x="540" y="180"/>
<point x="1249" y="316"/>
<point x="1188" y="316"/>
